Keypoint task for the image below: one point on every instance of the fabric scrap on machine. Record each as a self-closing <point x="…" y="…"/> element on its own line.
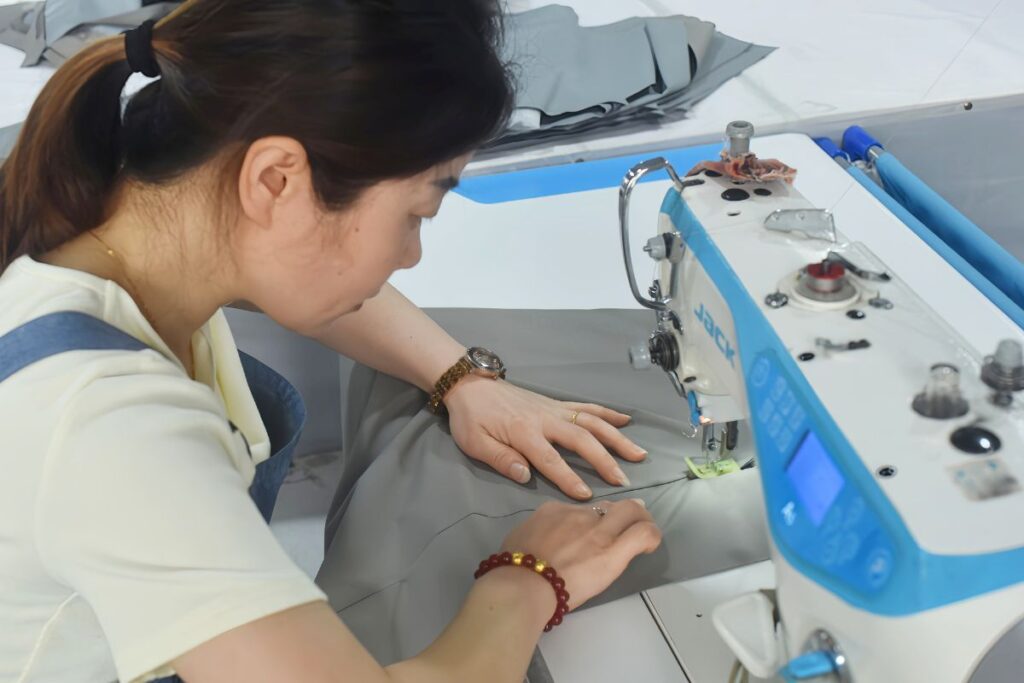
<point x="747" y="168"/>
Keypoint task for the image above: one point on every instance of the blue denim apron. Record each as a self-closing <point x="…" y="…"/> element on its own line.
<point x="279" y="404"/>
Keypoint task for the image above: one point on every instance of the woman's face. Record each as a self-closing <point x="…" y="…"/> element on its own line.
<point x="306" y="268"/>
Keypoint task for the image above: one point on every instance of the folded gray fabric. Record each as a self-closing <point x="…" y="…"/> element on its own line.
<point x="545" y="45"/>
<point x="725" y="59"/>
<point x="54" y="30"/>
<point x="23" y="27"/>
<point x="64" y="15"/>
<point x="597" y="79"/>
<point x="65" y="47"/>
<point x="635" y="59"/>
<point x="413" y="516"/>
<point x="700" y="34"/>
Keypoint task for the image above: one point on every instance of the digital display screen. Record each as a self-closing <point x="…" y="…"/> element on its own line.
<point x="815" y="477"/>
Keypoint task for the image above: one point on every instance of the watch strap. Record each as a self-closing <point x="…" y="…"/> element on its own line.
<point x="448" y="380"/>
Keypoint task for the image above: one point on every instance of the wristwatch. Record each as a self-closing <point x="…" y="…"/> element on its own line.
<point x="477" y="361"/>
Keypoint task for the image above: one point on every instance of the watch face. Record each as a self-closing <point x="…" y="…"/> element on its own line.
<point x="484" y="359"/>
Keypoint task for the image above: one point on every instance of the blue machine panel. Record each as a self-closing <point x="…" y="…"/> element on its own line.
<point x="821" y="516"/>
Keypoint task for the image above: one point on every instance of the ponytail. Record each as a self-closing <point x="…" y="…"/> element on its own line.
<point x="57" y="181"/>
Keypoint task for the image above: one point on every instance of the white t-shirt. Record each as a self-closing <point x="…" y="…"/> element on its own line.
<point x="127" y="535"/>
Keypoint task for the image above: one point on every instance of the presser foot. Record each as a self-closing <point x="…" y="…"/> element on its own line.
<point x="710" y="470"/>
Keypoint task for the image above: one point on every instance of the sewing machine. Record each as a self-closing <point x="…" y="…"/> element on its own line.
<point x="928" y="511"/>
<point x="889" y="446"/>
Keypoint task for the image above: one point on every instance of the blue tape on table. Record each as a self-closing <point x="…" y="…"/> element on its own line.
<point x="578" y="177"/>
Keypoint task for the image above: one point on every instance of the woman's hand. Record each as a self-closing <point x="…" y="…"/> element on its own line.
<point x="589" y="546"/>
<point x="510" y="429"/>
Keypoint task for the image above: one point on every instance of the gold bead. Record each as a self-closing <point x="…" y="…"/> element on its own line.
<point x="539" y="566"/>
<point x="517" y="559"/>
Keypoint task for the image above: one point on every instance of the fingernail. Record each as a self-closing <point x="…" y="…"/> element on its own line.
<point x="623" y="479"/>
<point x="520" y="472"/>
<point x="583" y="491"/>
<point x="641" y="501"/>
<point x="641" y="452"/>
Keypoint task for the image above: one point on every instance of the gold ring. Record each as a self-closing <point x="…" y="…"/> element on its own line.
<point x="574" y="416"/>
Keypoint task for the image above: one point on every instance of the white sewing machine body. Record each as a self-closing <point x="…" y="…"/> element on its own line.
<point x="887" y="538"/>
<point x="862" y="397"/>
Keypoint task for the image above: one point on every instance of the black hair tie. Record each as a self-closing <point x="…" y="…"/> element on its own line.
<point x="138" y="46"/>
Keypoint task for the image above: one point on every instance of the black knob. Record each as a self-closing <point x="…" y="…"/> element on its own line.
<point x="664" y="351"/>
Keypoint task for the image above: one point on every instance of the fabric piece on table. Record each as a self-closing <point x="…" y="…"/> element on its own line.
<point x="65" y="47"/>
<point x="726" y="58"/>
<point x="8" y="137"/>
<point x="54" y="30"/>
<point x="559" y="58"/>
<point x="675" y="63"/>
<point x="23" y="27"/>
<point x="723" y="59"/>
<point x="413" y="516"/>
<point x="64" y="15"/>
<point x="701" y="34"/>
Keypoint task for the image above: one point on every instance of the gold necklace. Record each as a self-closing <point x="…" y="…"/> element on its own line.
<point x="134" y="291"/>
<point x="134" y="294"/>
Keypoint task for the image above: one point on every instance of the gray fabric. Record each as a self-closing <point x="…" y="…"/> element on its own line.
<point x="413" y="516"/>
<point x="56" y="29"/>
<point x="66" y="46"/>
<point x="8" y="136"/>
<point x="23" y="27"/>
<point x="558" y="59"/>
<point x="544" y="43"/>
<point x="701" y="34"/>
<point x="725" y="58"/>
<point x="64" y="15"/>
<point x="670" y="45"/>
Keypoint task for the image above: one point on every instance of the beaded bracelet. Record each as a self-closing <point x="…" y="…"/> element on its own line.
<point x="539" y="566"/>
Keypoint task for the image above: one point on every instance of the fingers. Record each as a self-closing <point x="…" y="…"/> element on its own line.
<point x="620" y="515"/>
<point x="610" y="416"/>
<point x="611" y="437"/>
<point x="504" y="460"/>
<point x="550" y="463"/>
<point x="641" y="538"/>
<point x="625" y="531"/>
<point x="578" y="439"/>
<point x="633" y="530"/>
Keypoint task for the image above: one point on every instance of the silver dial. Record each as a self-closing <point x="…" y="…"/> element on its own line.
<point x="485" y="360"/>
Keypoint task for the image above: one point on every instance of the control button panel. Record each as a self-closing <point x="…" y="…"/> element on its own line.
<point x="817" y="511"/>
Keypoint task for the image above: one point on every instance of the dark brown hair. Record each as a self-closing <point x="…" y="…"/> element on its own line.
<point x="373" y="89"/>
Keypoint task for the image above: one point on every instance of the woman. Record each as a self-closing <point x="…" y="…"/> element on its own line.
<point x="285" y="157"/>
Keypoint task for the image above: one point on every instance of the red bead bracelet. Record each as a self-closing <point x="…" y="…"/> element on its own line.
<point x="539" y="566"/>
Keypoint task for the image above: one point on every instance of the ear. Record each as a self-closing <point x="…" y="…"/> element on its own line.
<point x="275" y="171"/>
